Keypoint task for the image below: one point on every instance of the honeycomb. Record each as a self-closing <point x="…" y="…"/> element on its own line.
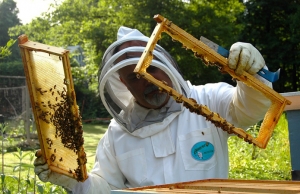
<point x="53" y="103"/>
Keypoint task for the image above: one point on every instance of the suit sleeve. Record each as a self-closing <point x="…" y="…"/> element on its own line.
<point x="248" y="105"/>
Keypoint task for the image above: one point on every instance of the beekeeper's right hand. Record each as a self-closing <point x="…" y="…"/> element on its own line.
<point x="45" y="174"/>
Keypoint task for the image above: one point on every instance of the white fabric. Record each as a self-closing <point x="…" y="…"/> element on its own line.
<point x="162" y="143"/>
<point x="45" y="174"/>
<point x="91" y="184"/>
<point x="124" y="32"/>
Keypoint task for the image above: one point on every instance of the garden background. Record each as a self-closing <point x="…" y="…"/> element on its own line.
<point x="87" y="28"/>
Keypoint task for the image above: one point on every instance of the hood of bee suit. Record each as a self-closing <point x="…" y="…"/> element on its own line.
<point x="115" y="96"/>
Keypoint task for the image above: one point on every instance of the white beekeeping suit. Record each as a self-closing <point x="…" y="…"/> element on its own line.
<point x="147" y="147"/>
<point x="158" y="146"/>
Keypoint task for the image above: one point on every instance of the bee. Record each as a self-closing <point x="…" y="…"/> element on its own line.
<point x="49" y="141"/>
<point x="61" y="159"/>
<point x="52" y="157"/>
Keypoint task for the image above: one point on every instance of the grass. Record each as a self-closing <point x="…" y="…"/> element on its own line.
<point x="92" y="135"/>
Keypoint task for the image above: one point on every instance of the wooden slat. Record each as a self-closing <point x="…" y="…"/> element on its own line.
<point x="224" y="186"/>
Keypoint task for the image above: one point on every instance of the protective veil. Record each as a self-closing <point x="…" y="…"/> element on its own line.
<point x="114" y="94"/>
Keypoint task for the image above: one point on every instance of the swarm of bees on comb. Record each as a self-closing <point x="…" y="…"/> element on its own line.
<point x="67" y="126"/>
<point x="56" y="113"/>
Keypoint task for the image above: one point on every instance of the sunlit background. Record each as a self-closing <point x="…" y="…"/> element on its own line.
<point x="30" y="9"/>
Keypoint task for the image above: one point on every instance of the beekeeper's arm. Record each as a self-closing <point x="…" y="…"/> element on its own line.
<point x="248" y="104"/>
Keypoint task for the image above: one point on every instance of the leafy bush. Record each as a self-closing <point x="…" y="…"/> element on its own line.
<point x="250" y="162"/>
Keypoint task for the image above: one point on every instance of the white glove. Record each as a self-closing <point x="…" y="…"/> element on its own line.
<point x="45" y="174"/>
<point x="245" y="57"/>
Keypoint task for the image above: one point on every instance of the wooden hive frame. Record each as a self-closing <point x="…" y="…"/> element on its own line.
<point x="223" y="186"/>
<point x="53" y="102"/>
<point x="211" y="57"/>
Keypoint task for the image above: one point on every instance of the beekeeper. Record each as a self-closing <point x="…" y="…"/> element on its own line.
<point x="152" y="139"/>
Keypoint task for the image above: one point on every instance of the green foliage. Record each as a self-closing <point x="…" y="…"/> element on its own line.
<point x="12" y="68"/>
<point x="273" y="163"/>
<point x="19" y="176"/>
<point x="5" y="50"/>
<point x="93" y="25"/>
<point x="21" y="156"/>
<point x="273" y="27"/>
<point x="270" y="25"/>
<point x="8" y="19"/>
<point x="90" y="104"/>
<point x="206" y="18"/>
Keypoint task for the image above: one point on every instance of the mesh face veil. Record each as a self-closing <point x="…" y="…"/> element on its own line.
<point x="114" y="94"/>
